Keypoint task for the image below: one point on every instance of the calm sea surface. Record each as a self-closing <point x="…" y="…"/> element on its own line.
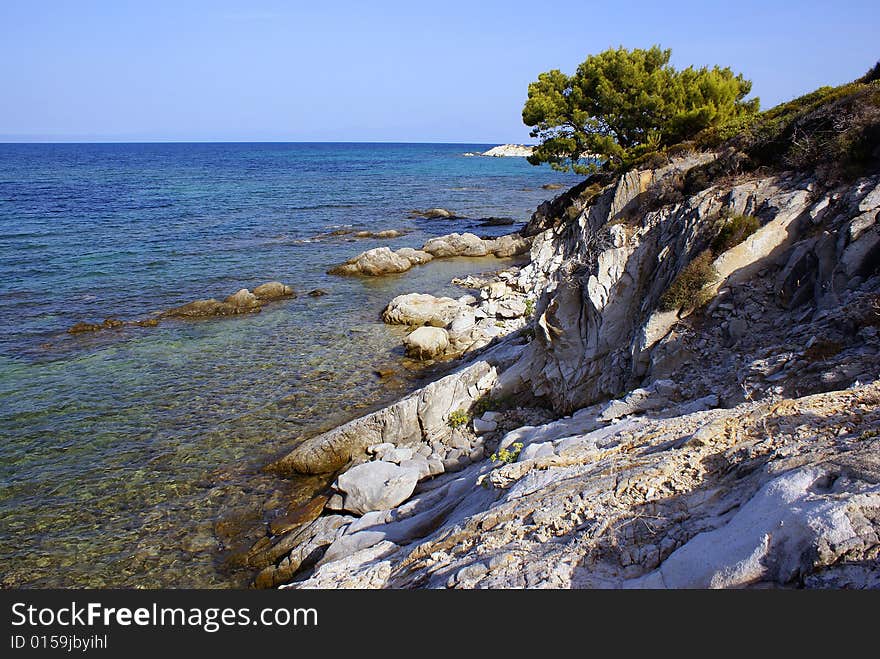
<point x="133" y="457"/>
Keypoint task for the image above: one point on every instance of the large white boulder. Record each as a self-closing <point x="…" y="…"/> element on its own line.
<point x="376" y="486"/>
<point x="421" y="309"/>
<point x="426" y="342"/>
<point x="455" y="244"/>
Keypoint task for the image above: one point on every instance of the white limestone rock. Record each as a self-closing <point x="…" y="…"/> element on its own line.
<point x="426" y="342"/>
<point x="376" y="486"/>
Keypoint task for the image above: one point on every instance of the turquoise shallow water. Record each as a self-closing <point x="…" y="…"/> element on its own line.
<point x="132" y="457"/>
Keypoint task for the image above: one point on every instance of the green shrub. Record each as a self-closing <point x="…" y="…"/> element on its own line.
<point x="734" y="230"/>
<point x="686" y="291"/>
<point x="530" y="307"/>
<point x="459" y="418"/>
<point x="487" y="402"/>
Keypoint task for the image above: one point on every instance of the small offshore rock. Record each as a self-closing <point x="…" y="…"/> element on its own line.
<point x="79" y="328"/>
<point x="373" y="263"/>
<point x="386" y="233"/>
<point x="434" y="213"/>
<point x="273" y="290"/>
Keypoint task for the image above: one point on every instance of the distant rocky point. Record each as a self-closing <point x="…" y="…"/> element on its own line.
<point x="509" y="151"/>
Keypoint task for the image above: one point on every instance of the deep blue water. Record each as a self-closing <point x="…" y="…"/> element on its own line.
<point x="120" y="450"/>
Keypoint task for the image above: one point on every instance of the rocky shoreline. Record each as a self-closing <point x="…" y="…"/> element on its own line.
<point x="600" y="437"/>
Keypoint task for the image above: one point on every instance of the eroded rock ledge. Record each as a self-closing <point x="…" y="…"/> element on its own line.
<point x="781" y="492"/>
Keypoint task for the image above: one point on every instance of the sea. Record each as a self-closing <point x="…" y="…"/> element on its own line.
<point x="135" y="457"/>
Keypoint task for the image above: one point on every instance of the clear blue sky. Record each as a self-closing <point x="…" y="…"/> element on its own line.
<point x="336" y="70"/>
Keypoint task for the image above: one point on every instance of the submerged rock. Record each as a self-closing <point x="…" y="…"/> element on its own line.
<point x="318" y="292"/>
<point x="208" y="308"/>
<point x="108" y="323"/>
<point x="242" y="301"/>
<point x="298" y="516"/>
<point x="81" y="327"/>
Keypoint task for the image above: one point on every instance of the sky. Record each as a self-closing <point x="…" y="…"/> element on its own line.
<point x="409" y="71"/>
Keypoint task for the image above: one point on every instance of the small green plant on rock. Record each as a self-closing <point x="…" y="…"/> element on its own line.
<point x="530" y="307"/>
<point x="458" y="418"/>
<point x="483" y="405"/>
<point x="507" y="456"/>
<point x="686" y="291"/>
<point x="869" y="434"/>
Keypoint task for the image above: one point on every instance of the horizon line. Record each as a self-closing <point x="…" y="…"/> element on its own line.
<point x="170" y="141"/>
